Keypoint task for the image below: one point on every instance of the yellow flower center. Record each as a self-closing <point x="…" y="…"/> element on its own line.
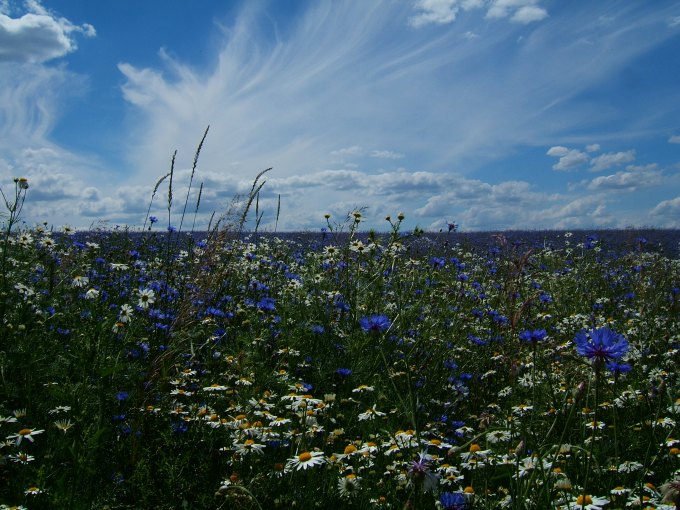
<point x="305" y="457"/>
<point x="249" y="442"/>
<point x="474" y="447"/>
<point x="350" y="448"/>
<point x="469" y="490"/>
<point x="584" y="500"/>
<point x="25" y="432"/>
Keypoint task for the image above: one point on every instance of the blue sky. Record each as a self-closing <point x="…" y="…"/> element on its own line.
<point x="496" y="114"/>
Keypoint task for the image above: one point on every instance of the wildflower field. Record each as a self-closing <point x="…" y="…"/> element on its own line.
<point x="342" y="369"/>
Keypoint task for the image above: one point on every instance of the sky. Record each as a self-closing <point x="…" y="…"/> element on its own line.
<point x="494" y="114"/>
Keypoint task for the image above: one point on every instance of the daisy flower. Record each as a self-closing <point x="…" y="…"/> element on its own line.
<point x="249" y="446"/>
<point x="587" y="502"/>
<point x="125" y="313"/>
<point x="21" y="458"/>
<point x="370" y="414"/>
<point x="63" y="425"/>
<point x="305" y="460"/>
<point x="25" y="434"/>
<point x="146" y="297"/>
<point x="349" y="486"/>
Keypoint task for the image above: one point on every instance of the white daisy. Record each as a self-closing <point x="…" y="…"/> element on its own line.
<point x="305" y="460"/>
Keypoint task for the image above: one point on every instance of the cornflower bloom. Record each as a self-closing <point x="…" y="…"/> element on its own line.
<point x="453" y="501"/>
<point x="601" y="345"/>
<point x="533" y="336"/>
<point x="375" y="323"/>
<point x="420" y="474"/>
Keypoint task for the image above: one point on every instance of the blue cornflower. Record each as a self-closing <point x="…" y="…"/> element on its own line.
<point x="618" y="368"/>
<point x="533" y="336"/>
<point x="345" y="372"/>
<point x="601" y="345"/>
<point x="375" y="323"/>
<point x="453" y="501"/>
<point x="266" y="303"/>
<point x="121" y="395"/>
<point x="153" y="219"/>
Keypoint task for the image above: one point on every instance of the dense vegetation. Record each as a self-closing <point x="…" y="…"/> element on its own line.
<point x="158" y="370"/>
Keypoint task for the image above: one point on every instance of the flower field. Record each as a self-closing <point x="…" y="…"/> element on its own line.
<point x="351" y="370"/>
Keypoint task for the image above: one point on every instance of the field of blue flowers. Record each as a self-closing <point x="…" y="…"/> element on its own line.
<point x="344" y="369"/>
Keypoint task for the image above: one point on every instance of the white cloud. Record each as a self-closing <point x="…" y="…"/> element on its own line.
<point x="386" y="154"/>
<point x="435" y="11"/>
<point x="354" y="150"/>
<point x="611" y="159"/>
<point x="442" y="12"/>
<point x="529" y="14"/>
<point x="627" y="181"/>
<point x="519" y="11"/>
<point x="569" y="158"/>
<point x="674" y="139"/>
<point x="674" y="22"/>
<point x="667" y="212"/>
<point x="38" y="35"/>
<point x="593" y="147"/>
<point x="557" y="151"/>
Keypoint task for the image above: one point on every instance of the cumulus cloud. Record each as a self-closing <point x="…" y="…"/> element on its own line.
<point x="442" y="12"/>
<point x="668" y="208"/>
<point x="674" y="139"/>
<point x="627" y="181"/>
<point x="611" y="159"/>
<point x="519" y="11"/>
<point x="529" y="14"/>
<point x="568" y="158"/>
<point x="434" y="11"/>
<point x="593" y="147"/>
<point x="38" y="35"/>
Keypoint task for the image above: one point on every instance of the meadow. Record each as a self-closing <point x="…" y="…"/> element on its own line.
<point x="342" y="368"/>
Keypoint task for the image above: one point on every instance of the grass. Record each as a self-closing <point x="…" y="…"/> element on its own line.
<point x="248" y="371"/>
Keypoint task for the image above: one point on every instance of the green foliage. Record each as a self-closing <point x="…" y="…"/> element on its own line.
<point x="359" y="370"/>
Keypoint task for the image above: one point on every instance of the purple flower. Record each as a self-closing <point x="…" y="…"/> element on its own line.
<point x="601" y="345"/>
<point x="420" y="474"/>
<point x="533" y="336"/>
<point x="453" y="501"/>
<point x="618" y="368"/>
<point x="375" y="323"/>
